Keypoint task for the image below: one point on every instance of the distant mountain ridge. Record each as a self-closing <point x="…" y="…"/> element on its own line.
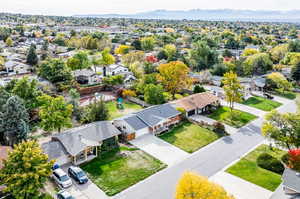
<point x="218" y="14"/>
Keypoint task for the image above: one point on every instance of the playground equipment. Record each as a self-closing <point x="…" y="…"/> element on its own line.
<point x="120" y="105"/>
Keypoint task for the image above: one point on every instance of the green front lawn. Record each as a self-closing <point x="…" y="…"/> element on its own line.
<point x="248" y="170"/>
<point x="261" y="103"/>
<point x="239" y="119"/>
<point x="287" y="94"/>
<point x="118" y="170"/>
<point x="114" y="112"/>
<point x="189" y="137"/>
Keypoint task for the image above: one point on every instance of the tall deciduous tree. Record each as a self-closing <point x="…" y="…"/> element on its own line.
<point x="26" y="170"/>
<point x="193" y="186"/>
<point x="283" y="129"/>
<point x="153" y="94"/>
<point x="14" y="121"/>
<point x="232" y="88"/>
<point x="106" y="59"/>
<point x="147" y="43"/>
<point x="55" y="113"/>
<point x="174" y="76"/>
<point x="257" y="64"/>
<point x="296" y="72"/>
<point x="79" y="61"/>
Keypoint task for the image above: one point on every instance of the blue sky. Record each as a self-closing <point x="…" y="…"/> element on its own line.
<point x="71" y="7"/>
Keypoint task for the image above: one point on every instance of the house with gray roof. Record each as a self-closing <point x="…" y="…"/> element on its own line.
<point x="154" y="120"/>
<point x="291" y="181"/>
<point x="80" y="144"/>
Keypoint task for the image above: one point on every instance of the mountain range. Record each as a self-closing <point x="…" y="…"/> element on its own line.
<point x="217" y="15"/>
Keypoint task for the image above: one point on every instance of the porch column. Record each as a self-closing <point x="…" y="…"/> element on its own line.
<point x="85" y="154"/>
<point x="96" y="151"/>
<point x="74" y="159"/>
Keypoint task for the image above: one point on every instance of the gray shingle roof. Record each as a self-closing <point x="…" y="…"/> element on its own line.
<point x="153" y="115"/>
<point x="76" y="140"/>
<point x="135" y="122"/>
<point x="54" y="150"/>
<point x="291" y="179"/>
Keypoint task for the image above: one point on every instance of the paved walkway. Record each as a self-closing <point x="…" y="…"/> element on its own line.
<point x="199" y="118"/>
<point x="240" y="188"/>
<point x="160" y="149"/>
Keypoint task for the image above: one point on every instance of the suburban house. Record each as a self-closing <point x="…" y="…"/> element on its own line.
<point x="258" y="84"/>
<point x="87" y="76"/>
<point x="154" y="120"/>
<point x="80" y="144"/>
<point x="198" y="103"/>
<point x="291" y="181"/>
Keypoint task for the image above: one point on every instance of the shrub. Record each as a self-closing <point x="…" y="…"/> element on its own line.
<point x="268" y="162"/>
<point x="219" y="128"/>
<point x="285" y="158"/>
<point x="198" y="89"/>
<point x="294" y="159"/>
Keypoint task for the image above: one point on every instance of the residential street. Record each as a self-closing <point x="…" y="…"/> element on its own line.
<point x="207" y="161"/>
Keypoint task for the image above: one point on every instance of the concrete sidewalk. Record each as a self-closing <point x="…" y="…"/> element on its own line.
<point x="240" y="188"/>
<point x="160" y="149"/>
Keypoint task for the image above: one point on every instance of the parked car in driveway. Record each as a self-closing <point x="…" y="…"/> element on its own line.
<point x="77" y="174"/>
<point x="61" y="178"/>
<point x="63" y="194"/>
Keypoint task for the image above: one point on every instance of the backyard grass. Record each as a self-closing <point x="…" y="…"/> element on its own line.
<point x="128" y="108"/>
<point x="248" y="169"/>
<point x="189" y="137"/>
<point x="118" y="170"/>
<point x="261" y="103"/>
<point x="239" y="119"/>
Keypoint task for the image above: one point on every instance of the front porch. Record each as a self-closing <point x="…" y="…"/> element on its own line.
<point x="87" y="155"/>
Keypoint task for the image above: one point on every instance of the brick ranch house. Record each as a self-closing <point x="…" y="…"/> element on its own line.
<point x="197" y="103"/>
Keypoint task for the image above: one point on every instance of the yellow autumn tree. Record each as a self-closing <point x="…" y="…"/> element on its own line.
<point x="122" y="50"/>
<point x="193" y="186"/>
<point x="174" y="76"/>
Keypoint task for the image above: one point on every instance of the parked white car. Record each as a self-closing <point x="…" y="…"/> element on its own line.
<point x="61" y="178"/>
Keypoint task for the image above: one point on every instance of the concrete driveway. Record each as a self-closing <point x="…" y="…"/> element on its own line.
<point x="160" y="149"/>
<point x="84" y="191"/>
<point x="240" y="188"/>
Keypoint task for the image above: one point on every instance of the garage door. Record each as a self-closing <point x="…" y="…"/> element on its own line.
<point x="192" y="112"/>
<point x="142" y="132"/>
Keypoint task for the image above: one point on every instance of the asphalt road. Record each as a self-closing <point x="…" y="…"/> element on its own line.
<point x="207" y="161"/>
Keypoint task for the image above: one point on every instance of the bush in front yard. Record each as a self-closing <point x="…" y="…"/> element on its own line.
<point x="270" y="163"/>
<point x="294" y="159"/>
<point x="219" y="128"/>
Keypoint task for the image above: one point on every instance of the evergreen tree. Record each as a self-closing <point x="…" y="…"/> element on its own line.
<point x="296" y="72"/>
<point x="25" y="171"/>
<point x="32" y="57"/>
<point x="14" y="121"/>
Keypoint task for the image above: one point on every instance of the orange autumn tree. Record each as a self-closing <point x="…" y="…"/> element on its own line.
<point x="174" y="76"/>
<point x="193" y="186"/>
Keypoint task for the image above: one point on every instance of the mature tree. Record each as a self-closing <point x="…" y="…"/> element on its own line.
<point x="170" y="50"/>
<point x="27" y="90"/>
<point x="193" y="186"/>
<point x="122" y="50"/>
<point x="198" y="89"/>
<point x="219" y="69"/>
<point x="79" y="61"/>
<point x="174" y="76"/>
<point x="133" y="57"/>
<point x="95" y="61"/>
<point x="74" y="98"/>
<point x="257" y="64"/>
<point x="153" y="94"/>
<point x="55" y="113"/>
<point x="294" y="46"/>
<point x="232" y="88"/>
<point x="32" y="57"/>
<point x="249" y="51"/>
<point x="291" y="58"/>
<point x="147" y="43"/>
<point x="137" y="44"/>
<point x="55" y="70"/>
<point x="9" y="42"/>
<point x="97" y="111"/>
<point x="106" y="59"/>
<point x="296" y="72"/>
<point x="279" y="82"/>
<point x="14" y="121"/>
<point x="4" y="96"/>
<point x="294" y="159"/>
<point x="113" y="80"/>
<point x="26" y="170"/>
<point x="283" y="129"/>
<point x="202" y="57"/>
<point x="278" y="52"/>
